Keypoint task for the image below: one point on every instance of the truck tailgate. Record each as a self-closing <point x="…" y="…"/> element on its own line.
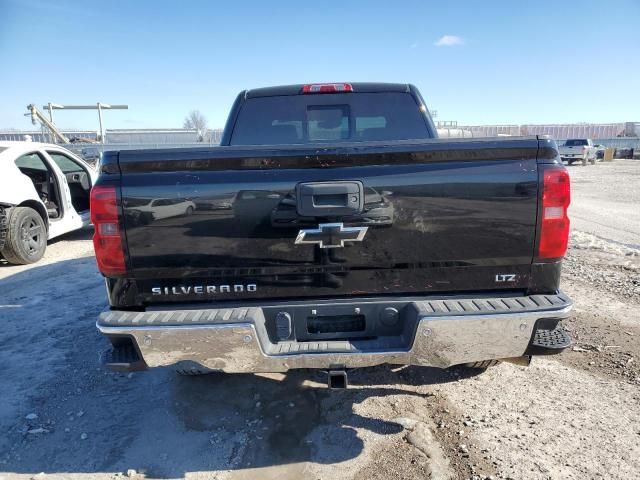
<point x="228" y="223"/>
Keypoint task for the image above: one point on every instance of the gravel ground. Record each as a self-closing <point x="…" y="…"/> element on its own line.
<point x="574" y="416"/>
<point x="606" y="199"/>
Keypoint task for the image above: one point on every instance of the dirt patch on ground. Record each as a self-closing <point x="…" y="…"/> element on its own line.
<point x="603" y="278"/>
<point x="552" y="421"/>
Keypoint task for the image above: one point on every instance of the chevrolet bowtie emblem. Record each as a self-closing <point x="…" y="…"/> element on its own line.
<point x="331" y="235"/>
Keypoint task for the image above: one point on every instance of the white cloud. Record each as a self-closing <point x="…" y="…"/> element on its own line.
<point x="449" y="41"/>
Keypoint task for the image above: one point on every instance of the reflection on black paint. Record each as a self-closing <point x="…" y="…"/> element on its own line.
<point x="432" y="227"/>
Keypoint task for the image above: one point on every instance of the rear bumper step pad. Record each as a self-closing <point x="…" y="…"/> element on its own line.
<point x="549" y="341"/>
<point x="436" y="332"/>
<point x="195" y="314"/>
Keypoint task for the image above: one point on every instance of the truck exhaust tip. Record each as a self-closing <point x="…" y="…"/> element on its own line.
<point x="523" y="361"/>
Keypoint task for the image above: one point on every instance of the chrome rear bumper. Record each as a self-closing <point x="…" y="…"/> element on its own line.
<point x="444" y="332"/>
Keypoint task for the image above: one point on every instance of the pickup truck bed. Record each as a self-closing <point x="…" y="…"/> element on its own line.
<point x="249" y="258"/>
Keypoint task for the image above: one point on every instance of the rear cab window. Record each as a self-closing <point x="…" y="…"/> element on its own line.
<point x="576" y="143"/>
<point x="343" y="117"/>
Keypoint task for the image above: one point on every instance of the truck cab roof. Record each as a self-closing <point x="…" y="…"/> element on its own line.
<point x="296" y="89"/>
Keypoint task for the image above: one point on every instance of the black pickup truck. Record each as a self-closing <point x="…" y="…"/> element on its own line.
<point x="332" y="229"/>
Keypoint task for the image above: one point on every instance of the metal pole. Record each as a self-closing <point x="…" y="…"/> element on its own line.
<point x="98" y="106"/>
<point x="51" y="119"/>
<point x="101" y="128"/>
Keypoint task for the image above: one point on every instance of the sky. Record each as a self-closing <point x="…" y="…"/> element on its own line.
<point x="489" y="62"/>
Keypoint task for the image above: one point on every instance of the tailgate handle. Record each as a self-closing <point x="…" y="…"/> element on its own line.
<point x="328" y="199"/>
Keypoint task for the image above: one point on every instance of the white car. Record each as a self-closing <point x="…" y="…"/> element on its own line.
<point x="578" y="150"/>
<point x="44" y="193"/>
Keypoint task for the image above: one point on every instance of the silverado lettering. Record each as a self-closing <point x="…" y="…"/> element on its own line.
<point x="202" y="289"/>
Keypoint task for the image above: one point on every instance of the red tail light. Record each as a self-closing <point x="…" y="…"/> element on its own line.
<point x="327" y="88"/>
<point x="556" y="196"/>
<point x="106" y="239"/>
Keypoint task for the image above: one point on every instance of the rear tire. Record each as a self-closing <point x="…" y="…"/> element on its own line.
<point x="3" y="228"/>
<point x="26" y="237"/>
<point x="483" y="365"/>
<point x="584" y="162"/>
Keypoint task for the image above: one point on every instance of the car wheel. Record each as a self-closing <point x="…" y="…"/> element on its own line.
<point x="26" y="236"/>
<point x="584" y="162"/>
<point x="189" y="211"/>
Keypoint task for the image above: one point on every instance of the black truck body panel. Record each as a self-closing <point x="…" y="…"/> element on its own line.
<point x="443" y="216"/>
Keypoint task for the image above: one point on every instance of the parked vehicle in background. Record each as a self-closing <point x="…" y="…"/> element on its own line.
<point x="578" y="150"/>
<point x="355" y="238"/>
<point x="44" y="193"/>
<point x="626" y="152"/>
<point x="600" y="149"/>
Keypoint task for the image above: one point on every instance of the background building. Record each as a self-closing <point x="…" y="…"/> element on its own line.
<point x="86" y="143"/>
